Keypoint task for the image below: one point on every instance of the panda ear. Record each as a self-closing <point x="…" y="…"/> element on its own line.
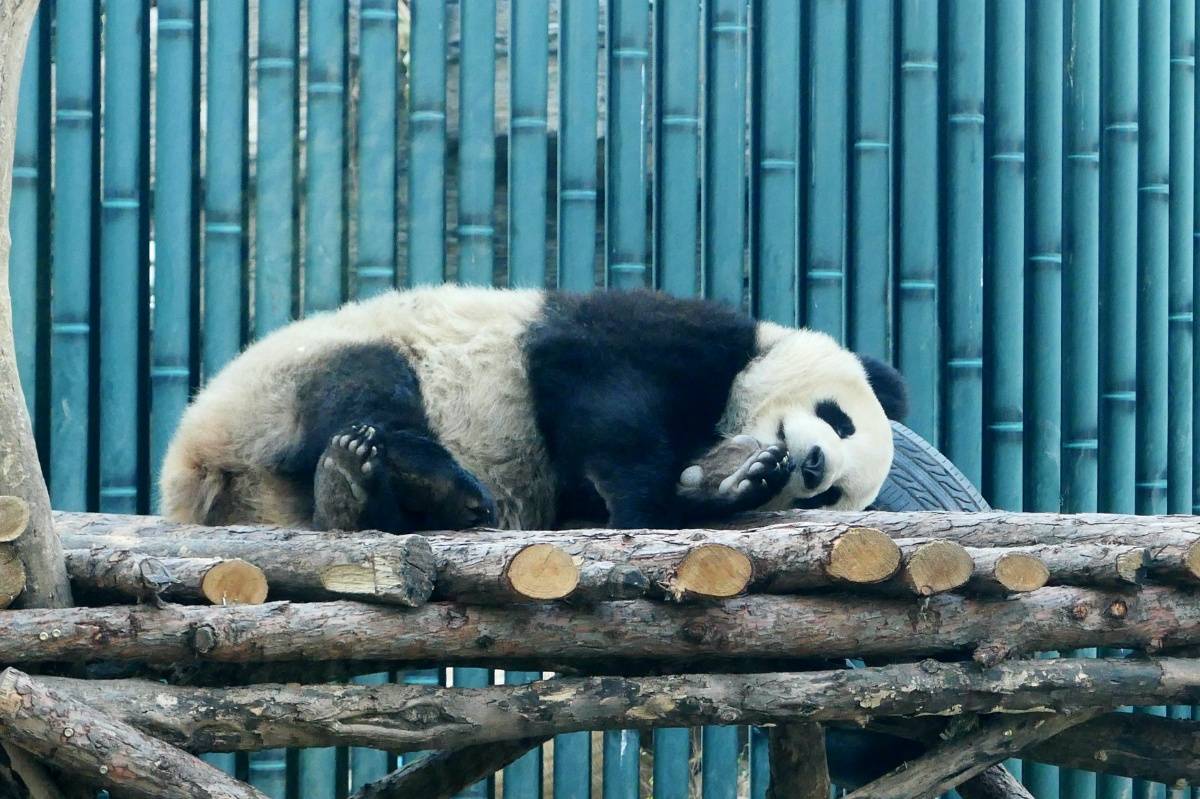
<point x="888" y="386"/>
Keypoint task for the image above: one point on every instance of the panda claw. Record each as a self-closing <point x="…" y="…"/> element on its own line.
<point x="367" y="468"/>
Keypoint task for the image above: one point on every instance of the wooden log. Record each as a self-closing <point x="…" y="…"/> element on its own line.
<point x="542" y="571"/>
<point x="402" y="717"/>
<point x="753" y="627"/>
<point x="445" y="774"/>
<point x="111" y="754"/>
<point x="932" y="567"/>
<point x="297" y="564"/>
<point x="1000" y="571"/>
<point x="12" y="575"/>
<point x="1173" y="542"/>
<point x="14" y="518"/>
<point x="952" y="762"/>
<point x="781" y="561"/>
<point x="709" y="571"/>
<point x="1086" y="564"/>
<point x="994" y="782"/>
<point x="214" y="580"/>
<point x="797" y="762"/>
<point x="604" y="581"/>
<point x="20" y="471"/>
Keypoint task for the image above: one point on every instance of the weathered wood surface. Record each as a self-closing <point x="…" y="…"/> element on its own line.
<point x="407" y="718"/>
<point x="994" y="783"/>
<point x="445" y="774"/>
<point x="1173" y="542"/>
<point x="781" y="561"/>
<point x="298" y="564"/>
<point x="797" y="762"/>
<point x="217" y="581"/>
<point x="111" y="754"/>
<point x="952" y="762"/>
<point x="47" y="585"/>
<point x="766" y="627"/>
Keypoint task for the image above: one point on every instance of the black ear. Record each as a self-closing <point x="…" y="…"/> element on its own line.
<point x="889" y="387"/>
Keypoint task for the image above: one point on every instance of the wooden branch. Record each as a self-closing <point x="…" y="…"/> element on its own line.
<point x="1085" y="564"/>
<point x="409" y="718"/>
<point x="298" y="564"/>
<point x="14" y="518"/>
<point x="445" y="774"/>
<point x="214" y="580"/>
<point x="797" y="760"/>
<point x="994" y="782"/>
<point x="952" y="762"/>
<point x="69" y="734"/>
<point x="12" y="575"/>
<point x="1173" y="542"/>
<point x="20" y="471"/>
<point x="559" y="636"/>
<point x="780" y="561"/>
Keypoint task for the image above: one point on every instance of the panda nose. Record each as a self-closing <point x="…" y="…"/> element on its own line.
<point x="813" y="468"/>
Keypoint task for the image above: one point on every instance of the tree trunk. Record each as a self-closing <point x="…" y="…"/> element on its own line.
<point x="407" y="718"/>
<point x="957" y="760"/>
<point x="298" y="564"/>
<point x="110" y="754"/>
<point x="20" y="473"/>
<point x="797" y="758"/>
<point x="1173" y="541"/>
<point x="604" y="635"/>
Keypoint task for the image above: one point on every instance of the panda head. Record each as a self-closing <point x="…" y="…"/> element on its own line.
<point x="829" y="407"/>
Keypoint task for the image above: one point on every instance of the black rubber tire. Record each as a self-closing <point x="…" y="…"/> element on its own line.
<point x="923" y="479"/>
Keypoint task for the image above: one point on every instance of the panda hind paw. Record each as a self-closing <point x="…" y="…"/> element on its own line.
<point x="739" y="471"/>
<point x="347" y="474"/>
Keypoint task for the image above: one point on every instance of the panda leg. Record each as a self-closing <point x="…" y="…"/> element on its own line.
<point x="397" y="482"/>
<point x="347" y="485"/>
<point x="737" y="474"/>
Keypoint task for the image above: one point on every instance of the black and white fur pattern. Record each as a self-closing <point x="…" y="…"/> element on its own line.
<point x="452" y="407"/>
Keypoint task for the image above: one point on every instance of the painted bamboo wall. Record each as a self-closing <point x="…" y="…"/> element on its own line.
<point x="996" y="195"/>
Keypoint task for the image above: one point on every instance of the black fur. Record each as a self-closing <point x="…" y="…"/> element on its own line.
<point x="366" y="397"/>
<point x="888" y="386"/>
<point x="627" y="386"/>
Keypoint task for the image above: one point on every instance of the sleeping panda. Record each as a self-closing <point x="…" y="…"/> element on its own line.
<point x="452" y="407"/>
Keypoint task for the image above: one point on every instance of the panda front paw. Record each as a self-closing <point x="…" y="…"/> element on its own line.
<point x="740" y="473"/>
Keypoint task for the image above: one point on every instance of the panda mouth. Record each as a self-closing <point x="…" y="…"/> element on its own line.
<point x="830" y="496"/>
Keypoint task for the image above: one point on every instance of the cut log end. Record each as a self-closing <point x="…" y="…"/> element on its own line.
<point x="12" y="575"/>
<point x="711" y="570"/>
<point x="542" y="571"/>
<point x="1192" y="559"/>
<point x="936" y="567"/>
<point x="1019" y="572"/>
<point x="863" y="555"/>
<point x="234" y="582"/>
<point x="1131" y="566"/>
<point x="14" y="517"/>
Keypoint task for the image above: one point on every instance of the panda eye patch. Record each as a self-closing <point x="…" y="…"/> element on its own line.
<point x="829" y="412"/>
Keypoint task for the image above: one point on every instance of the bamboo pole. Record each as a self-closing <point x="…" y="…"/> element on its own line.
<point x="427" y="144"/>
<point x="627" y="256"/>
<point x="964" y="236"/>
<point x="577" y="147"/>
<point x="375" y="214"/>
<point x="477" y="143"/>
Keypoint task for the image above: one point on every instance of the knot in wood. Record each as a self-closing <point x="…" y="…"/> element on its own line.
<point x="1118" y="609"/>
<point x="1081" y="610"/>
<point x="204" y="639"/>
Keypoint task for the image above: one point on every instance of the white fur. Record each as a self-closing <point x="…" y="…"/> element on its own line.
<point x="794" y="370"/>
<point x="463" y="343"/>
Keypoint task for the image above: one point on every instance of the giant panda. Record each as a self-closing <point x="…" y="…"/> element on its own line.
<point x="453" y="407"/>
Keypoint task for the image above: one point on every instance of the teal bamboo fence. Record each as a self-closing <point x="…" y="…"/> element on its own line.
<point x="997" y="195"/>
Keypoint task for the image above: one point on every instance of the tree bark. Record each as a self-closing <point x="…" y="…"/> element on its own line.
<point x="298" y="564"/>
<point x="216" y="581"/>
<point x="955" y="761"/>
<point x="797" y="759"/>
<point x="110" y="754"/>
<point x="406" y="718"/>
<point x="1173" y="542"/>
<point x="12" y="575"/>
<point x="20" y="473"/>
<point x="445" y="774"/>
<point x="602" y="636"/>
<point x="994" y="783"/>
<point x="781" y="561"/>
